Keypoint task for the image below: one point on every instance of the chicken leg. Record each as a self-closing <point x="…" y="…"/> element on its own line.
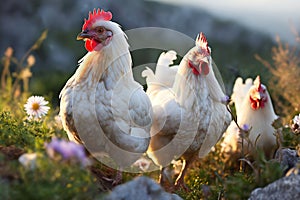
<point x="118" y="179"/>
<point x="179" y="183"/>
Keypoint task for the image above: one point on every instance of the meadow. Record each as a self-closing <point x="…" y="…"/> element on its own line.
<point x="55" y="175"/>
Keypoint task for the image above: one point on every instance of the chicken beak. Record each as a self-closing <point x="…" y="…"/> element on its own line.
<point x="257" y="96"/>
<point x="205" y="59"/>
<point x="204" y="65"/>
<point x="83" y="35"/>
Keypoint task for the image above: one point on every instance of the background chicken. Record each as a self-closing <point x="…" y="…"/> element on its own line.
<point x="101" y="104"/>
<point x="254" y="110"/>
<point x="189" y="117"/>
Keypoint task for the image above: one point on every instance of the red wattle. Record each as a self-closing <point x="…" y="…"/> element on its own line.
<point x="191" y="65"/>
<point x="90" y="45"/>
<point x="255" y="104"/>
<point x="204" y="68"/>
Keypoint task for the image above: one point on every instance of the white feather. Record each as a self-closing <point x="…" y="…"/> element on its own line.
<point x="103" y="107"/>
<point x="260" y="120"/>
<point x="189" y="117"/>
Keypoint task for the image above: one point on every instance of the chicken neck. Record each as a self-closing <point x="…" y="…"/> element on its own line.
<point x="189" y="87"/>
<point x="113" y="61"/>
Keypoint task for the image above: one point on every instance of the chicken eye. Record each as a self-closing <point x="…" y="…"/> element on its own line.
<point x="100" y="29"/>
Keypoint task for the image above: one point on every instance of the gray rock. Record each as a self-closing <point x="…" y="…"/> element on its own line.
<point x="288" y="158"/>
<point x="142" y="188"/>
<point x="287" y="188"/>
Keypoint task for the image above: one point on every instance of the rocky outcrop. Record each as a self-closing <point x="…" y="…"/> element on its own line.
<point x="287" y="158"/>
<point x="287" y="188"/>
<point x="141" y="188"/>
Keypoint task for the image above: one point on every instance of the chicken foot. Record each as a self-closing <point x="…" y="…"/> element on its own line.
<point x="118" y="179"/>
<point x="179" y="183"/>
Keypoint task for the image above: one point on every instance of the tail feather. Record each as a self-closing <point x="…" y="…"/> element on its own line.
<point x="240" y="90"/>
<point x="164" y="74"/>
<point x="166" y="59"/>
<point x="149" y="75"/>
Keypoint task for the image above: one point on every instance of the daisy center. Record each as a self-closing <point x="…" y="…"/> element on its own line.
<point x="35" y="106"/>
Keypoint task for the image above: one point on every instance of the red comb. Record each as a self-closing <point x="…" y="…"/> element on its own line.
<point x="257" y="83"/>
<point x="96" y="15"/>
<point x="202" y="43"/>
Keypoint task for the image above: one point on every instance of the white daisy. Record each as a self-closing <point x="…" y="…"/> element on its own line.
<point x="36" y="107"/>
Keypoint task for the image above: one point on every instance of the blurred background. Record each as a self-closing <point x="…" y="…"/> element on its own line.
<point x="236" y="31"/>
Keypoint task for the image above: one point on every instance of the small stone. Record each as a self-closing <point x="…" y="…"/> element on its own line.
<point x="141" y="188"/>
<point x="287" y="158"/>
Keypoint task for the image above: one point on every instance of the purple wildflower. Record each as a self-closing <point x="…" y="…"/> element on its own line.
<point x="67" y="149"/>
<point x="246" y="127"/>
<point x="225" y="100"/>
<point x="244" y="130"/>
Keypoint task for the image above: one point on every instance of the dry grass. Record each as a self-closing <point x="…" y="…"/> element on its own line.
<point x="284" y="84"/>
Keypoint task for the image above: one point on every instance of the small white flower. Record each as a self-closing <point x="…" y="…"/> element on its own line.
<point x="296" y="120"/>
<point x="28" y="160"/>
<point x="36" y="107"/>
<point x="296" y="124"/>
<point x="143" y="164"/>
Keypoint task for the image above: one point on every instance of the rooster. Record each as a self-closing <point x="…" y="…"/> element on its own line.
<point x="255" y="113"/>
<point x="101" y="105"/>
<point x="189" y="116"/>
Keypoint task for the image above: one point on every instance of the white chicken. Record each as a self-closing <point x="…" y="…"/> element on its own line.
<point x="254" y="111"/>
<point x="101" y="105"/>
<point x="189" y="115"/>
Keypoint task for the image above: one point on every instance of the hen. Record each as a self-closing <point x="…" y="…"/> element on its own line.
<point x="101" y="105"/>
<point x="254" y="110"/>
<point x="189" y="115"/>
